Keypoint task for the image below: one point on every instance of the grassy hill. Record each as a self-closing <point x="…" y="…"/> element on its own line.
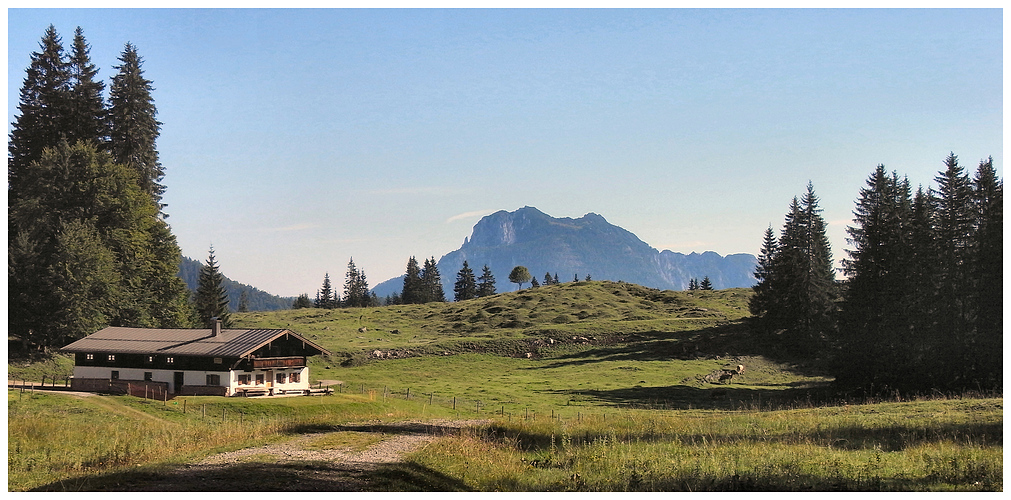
<point x="573" y="346"/>
<point x="606" y="311"/>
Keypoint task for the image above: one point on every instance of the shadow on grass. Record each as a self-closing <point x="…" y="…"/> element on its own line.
<point x="720" y="397"/>
<point x="270" y="477"/>
<point x="892" y="438"/>
<point x="731" y="339"/>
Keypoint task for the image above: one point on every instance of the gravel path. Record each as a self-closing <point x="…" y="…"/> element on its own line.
<point x="289" y="466"/>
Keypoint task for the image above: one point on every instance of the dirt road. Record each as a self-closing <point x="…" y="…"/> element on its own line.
<point x="293" y="466"/>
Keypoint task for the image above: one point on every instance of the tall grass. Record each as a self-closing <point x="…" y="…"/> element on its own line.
<point x="54" y="438"/>
<point x="885" y="447"/>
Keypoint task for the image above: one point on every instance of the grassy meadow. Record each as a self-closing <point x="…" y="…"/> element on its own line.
<point x="591" y="386"/>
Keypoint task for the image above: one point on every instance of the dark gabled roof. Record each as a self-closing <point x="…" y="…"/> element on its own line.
<point x="182" y="342"/>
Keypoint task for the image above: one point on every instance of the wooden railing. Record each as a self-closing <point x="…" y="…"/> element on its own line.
<point x="285" y="362"/>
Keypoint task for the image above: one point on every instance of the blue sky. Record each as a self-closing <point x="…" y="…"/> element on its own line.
<point x="294" y="140"/>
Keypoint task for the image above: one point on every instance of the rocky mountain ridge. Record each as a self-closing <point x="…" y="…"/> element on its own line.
<point x="579" y="247"/>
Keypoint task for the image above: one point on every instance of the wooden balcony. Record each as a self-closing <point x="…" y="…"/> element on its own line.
<point x="285" y="362"/>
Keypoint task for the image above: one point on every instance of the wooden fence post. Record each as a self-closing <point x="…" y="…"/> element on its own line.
<point x="408" y="393"/>
<point x="454" y="402"/>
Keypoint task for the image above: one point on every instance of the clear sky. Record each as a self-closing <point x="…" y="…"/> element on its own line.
<point x="294" y="140"/>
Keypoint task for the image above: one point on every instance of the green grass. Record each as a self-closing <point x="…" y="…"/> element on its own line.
<point x="918" y="446"/>
<point x="594" y="386"/>
<point x="56" y="441"/>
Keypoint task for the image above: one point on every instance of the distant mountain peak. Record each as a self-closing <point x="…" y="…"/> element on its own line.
<point x="588" y="245"/>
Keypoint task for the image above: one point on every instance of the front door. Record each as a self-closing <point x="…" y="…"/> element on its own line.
<point x="177" y="381"/>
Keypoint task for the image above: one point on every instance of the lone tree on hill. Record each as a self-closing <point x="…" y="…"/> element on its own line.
<point x="519" y="275"/>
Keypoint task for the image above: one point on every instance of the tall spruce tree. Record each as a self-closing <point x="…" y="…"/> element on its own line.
<point x="803" y="306"/>
<point x="86" y="120"/>
<point x="412" y="291"/>
<point x="42" y="121"/>
<point x="134" y="127"/>
<point x="988" y="270"/>
<point x="356" y="287"/>
<point x="763" y="303"/>
<point x="431" y="282"/>
<point x="211" y="300"/>
<point x="326" y="297"/>
<point x="954" y="220"/>
<point x="68" y="196"/>
<point x="466" y="284"/>
<point x="877" y="342"/>
<point x="486" y="283"/>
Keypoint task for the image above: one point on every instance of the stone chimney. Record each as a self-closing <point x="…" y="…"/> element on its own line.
<point x="215" y="326"/>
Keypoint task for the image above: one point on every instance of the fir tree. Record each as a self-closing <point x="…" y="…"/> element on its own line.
<point x="86" y="119"/>
<point x="877" y="343"/>
<point x="954" y="221"/>
<point x="302" y="302"/>
<point x="325" y="297"/>
<point x="534" y="283"/>
<point x="486" y="283"/>
<point x="804" y="287"/>
<point x="356" y="287"/>
<point x="84" y="281"/>
<point x="706" y="284"/>
<point x="134" y="128"/>
<point x="431" y="282"/>
<point x="763" y="303"/>
<point x="211" y="297"/>
<point x="412" y="291"/>
<point x="43" y="119"/>
<point x="988" y="271"/>
<point x="466" y="284"/>
<point x="547" y="279"/>
<point x="555" y="279"/>
<point x="243" y="302"/>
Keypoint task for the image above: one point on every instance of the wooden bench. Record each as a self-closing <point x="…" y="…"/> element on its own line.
<point x="253" y="391"/>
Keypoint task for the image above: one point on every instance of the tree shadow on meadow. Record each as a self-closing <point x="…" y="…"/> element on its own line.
<point x="270" y="477"/>
<point x="717" y="397"/>
<point x="729" y="340"/>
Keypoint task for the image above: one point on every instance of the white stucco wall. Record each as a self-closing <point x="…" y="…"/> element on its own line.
<point x="229" y="379"/>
